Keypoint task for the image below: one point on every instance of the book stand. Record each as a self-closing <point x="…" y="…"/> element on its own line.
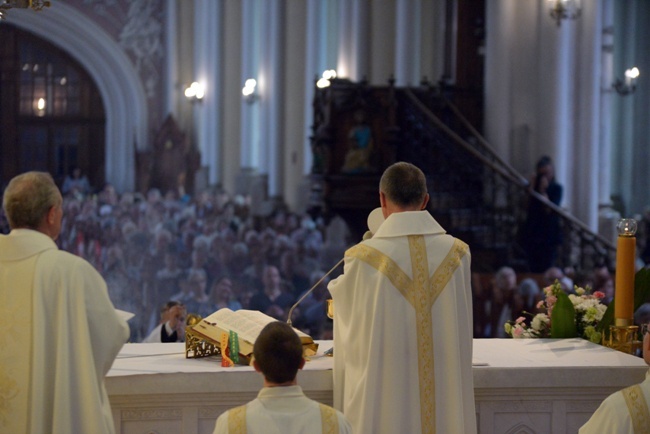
<point x="198" y="346"/>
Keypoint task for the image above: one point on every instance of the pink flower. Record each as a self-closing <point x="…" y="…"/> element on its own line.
<point x="550" y="300"/>
<point x="599" y="295"/>
<point x="517" y="332"/>
<point x="540" y="304"/>
<point x="520" y="320"/>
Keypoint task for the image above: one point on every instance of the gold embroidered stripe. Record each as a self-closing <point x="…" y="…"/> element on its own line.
<point x="237" y="420"/>
<point x="421" y="292"/>
<point x="329" y="420"/>
<point x="435" y="286"/>
<point x="385" y="266"/>
<point x="638" y="408"/>
<point x="447" y="268"/>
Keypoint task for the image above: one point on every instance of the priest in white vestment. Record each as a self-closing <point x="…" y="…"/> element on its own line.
<point x="281" y="407"/>
<point x="403" y="321"/>
<point x="60" y="331"/>
<point x="626" y="411"/>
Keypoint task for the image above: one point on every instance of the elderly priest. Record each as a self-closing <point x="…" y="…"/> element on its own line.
<point x="403" y="320"/>
<point x="60" y="331"/>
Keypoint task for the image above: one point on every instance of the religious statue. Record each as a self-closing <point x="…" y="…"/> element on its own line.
<point x="357" y="158"/>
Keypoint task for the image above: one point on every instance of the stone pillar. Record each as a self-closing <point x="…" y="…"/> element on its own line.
<point x="408" y="41"/>
<point x="207" y="69"/>
<point x="353" y="40"/>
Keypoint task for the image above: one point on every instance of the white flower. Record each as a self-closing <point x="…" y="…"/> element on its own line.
<point x="540" y="321"/>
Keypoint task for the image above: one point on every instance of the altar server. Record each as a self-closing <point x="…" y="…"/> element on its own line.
<point x="403" y="320"/>
<point x="61" y="332"/>
<point x="626" y="411"/>
<point x="281" y="406"/>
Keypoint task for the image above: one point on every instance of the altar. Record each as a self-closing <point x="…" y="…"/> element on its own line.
<point x="521" y="385"/>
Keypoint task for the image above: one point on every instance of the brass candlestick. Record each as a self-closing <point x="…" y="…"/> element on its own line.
<point x="623" y="335"/>
<point x="623" y="338"/>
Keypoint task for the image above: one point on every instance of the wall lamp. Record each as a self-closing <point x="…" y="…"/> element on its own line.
<point x="249" y="91"/>
<point x="627" y="86"/>
<point x="325" y="80"/>
<point x="195" y="92"/>
<point x="564" y="10"/>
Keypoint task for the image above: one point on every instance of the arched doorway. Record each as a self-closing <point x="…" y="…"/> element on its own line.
<point x="51" y="112"/>
<point x="121" y="89"/>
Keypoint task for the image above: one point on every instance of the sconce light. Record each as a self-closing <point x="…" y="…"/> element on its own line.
<point x="250" y="95"/>
<point x="36" y="5"/>
<point x="629" y="85"/>
<point x="326" y="78"/>
<point x="40" y="107"/>
<point x="564" y="9"/>
<point x="195" y="92"/>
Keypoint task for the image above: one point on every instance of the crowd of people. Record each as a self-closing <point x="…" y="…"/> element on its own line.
<point x="206" y="252"/>
<point x="211" y="252"/>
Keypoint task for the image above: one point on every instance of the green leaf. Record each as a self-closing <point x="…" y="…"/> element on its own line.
<point x="641" y="287"/>
<point x="641" y="295"/>
<point x="563" y="318"/>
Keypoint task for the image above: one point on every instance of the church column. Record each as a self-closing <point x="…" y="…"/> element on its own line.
<point x="500" y="19"/>
<point x="407" y="43"/>
<point x="585" y="145"/>
<point x="353" y="40"/>
<point x="171" y="87"/>
<point x="630" y="153"/>
<point x="556" y="69"/>
<point x="271" y="87"/>
<point x="382" y="27"/>
<point x="207" y="53"/>
<point x="231" y="64"/>
<point x="295" y="137"/>
<point x="432" y="43"/>
<point x="250" y="37"/>
<point x="607" y="216"/>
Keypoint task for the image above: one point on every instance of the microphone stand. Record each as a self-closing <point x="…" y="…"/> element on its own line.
<point x="311" y="289"/>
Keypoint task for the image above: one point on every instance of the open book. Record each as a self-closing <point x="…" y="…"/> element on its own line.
<point x="247" y="324"/>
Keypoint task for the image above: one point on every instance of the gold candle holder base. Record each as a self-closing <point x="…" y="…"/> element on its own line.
<point x="623" y="338"/>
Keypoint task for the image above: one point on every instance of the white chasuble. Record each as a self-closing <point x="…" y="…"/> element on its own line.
<point x="282" y="410"/>
<point x="60" y="336"/>
<point x="402" y="331"/>
<point x="623" y="412"/>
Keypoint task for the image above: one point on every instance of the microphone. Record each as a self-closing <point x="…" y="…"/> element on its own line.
<point x="311" y="290"/>
<point x="375" y="219"/>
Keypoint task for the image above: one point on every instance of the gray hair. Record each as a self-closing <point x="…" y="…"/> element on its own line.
<point x="403" y="184"/>
<point x="28" y="198"/>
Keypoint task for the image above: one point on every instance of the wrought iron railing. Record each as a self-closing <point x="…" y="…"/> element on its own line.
<point x="498" y="213"/>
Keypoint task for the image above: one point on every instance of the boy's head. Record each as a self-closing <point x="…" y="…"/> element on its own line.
<point x="278" y="353"/>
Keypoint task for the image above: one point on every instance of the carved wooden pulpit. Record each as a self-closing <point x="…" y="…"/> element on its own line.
<point x="353" y="142"/>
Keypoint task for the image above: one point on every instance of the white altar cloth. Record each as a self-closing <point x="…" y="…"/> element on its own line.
<point x="521" y="385"/>
<point x="168" y="358"/>
<point x="552" y="362"/>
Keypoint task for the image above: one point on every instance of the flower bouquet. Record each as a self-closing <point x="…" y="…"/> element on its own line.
<point x="562" y="316"/>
